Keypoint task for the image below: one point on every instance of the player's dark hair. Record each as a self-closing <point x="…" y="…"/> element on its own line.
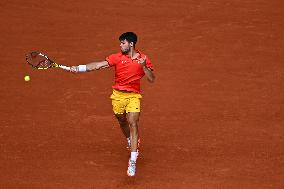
<point x="129" y="36"/>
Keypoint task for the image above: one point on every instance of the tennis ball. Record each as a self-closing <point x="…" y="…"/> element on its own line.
<point x="27" y="78"/>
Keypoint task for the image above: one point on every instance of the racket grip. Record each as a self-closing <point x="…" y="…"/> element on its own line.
<point x="65" y="67"/>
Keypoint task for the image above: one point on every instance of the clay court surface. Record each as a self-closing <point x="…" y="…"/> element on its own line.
<point x="213" y="120"/>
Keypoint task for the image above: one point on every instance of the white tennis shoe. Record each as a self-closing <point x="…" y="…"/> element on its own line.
<point x="131" y="168"/>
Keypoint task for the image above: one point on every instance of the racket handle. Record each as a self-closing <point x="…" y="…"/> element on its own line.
<point x="65" y="67"/>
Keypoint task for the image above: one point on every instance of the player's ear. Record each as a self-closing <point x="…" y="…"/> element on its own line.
<point x="131" y="44"/>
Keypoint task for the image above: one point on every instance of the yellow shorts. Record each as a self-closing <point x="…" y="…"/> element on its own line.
<point x="123" y="101"/>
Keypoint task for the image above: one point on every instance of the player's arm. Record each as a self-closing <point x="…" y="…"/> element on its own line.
<point x="90" y="67"/>
<point x="97" y="65"/>
<point x="148" y="72"/>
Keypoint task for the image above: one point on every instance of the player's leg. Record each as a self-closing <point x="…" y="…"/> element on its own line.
<point x="124" y="126"/>
<point x="133" y="118"/>
<point x="123" y="123"/>
<point x="118" y="105"/>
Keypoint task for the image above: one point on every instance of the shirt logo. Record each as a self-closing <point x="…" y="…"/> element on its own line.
<point x="123" y="61"/>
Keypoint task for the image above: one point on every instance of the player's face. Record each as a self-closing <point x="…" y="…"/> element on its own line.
<point x="125" y="46"/>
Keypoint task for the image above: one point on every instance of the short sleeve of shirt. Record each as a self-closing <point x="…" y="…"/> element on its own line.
<point x="112" y="59"/>
<point x="149" y="64"/>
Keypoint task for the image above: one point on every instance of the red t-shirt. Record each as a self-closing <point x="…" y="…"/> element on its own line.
<point x="128" y="72"/>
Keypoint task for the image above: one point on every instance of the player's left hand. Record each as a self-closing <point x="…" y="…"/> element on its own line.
<point x="142" y="61"/>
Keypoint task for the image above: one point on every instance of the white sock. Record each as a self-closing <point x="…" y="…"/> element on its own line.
<point x="133" y="156"/>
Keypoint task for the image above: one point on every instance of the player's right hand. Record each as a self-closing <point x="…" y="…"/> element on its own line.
<point x="74" y="69"/>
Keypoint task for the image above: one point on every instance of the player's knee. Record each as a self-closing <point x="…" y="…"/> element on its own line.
<point x="133" y="123"/>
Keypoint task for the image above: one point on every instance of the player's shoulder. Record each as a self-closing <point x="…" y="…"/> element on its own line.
<point x="117" y="55"/>
<point x="113" y="59"/>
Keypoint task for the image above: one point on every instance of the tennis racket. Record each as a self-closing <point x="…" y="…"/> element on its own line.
<point x="41" y="61"/>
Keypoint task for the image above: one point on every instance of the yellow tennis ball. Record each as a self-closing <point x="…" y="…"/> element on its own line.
<point x="27" y="78"/>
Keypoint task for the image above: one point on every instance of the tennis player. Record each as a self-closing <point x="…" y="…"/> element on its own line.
<point x="130" y="66"/>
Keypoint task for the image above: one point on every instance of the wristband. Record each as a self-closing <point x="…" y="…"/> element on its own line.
<point x="82" y="68"/>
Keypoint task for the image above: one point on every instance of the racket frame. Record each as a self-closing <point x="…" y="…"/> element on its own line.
<point x="52" y="63"/>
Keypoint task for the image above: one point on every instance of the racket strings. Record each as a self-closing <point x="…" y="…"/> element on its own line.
<point x="44" y="64"/>
<point x="38" y="60"/>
